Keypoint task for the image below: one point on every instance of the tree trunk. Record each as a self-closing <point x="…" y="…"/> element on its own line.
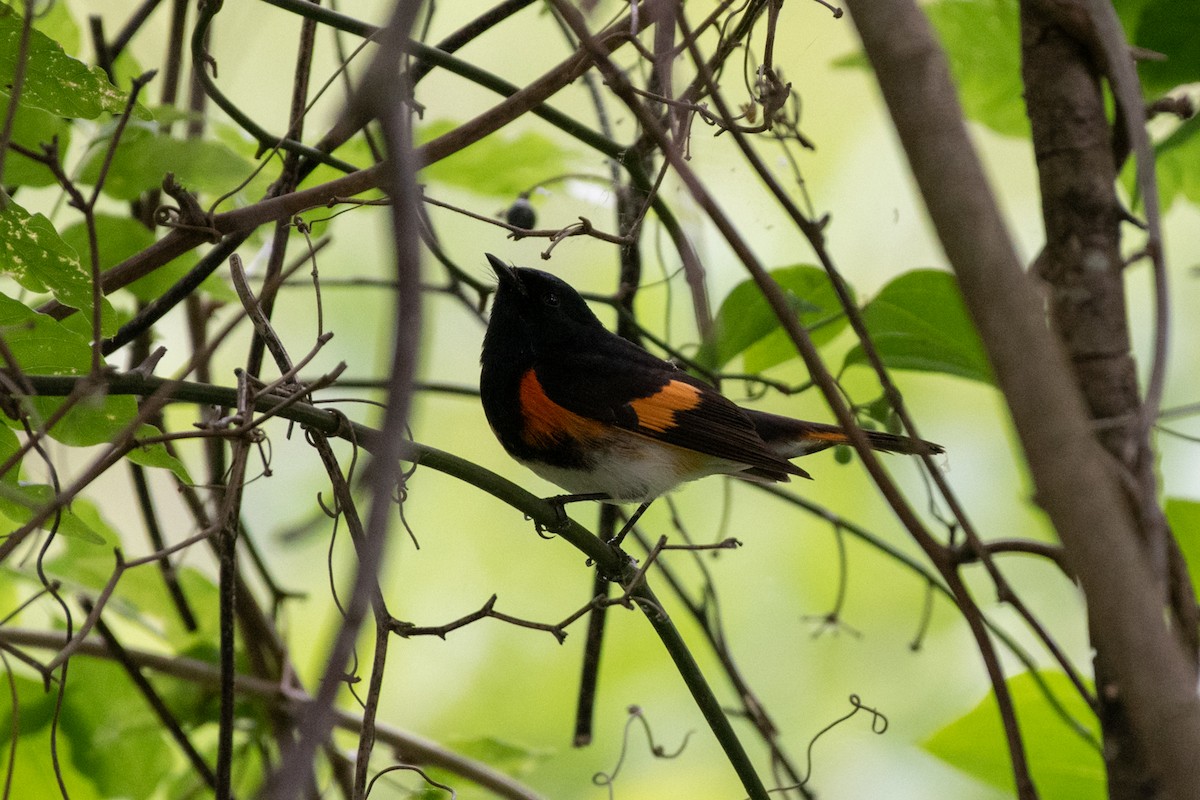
<point x="1091" y="499"/>
<point x="1083" y="270"/>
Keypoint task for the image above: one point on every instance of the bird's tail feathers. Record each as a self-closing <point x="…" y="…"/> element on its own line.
<point x="791" y="438"/>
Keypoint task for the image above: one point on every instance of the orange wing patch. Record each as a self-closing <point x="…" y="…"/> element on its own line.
<point x="657" y="412"/>
<point x="546" y="422"/>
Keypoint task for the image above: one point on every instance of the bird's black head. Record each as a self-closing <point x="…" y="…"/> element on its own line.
<point x="538" y="308"/>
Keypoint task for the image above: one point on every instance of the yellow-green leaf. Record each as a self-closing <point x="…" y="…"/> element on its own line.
<point x="36" y="257"/>
<point x="1064" y="764"/>
<point x="54" y="81"/>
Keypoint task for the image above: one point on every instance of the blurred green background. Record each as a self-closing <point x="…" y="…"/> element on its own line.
<point x="495" y="681"/>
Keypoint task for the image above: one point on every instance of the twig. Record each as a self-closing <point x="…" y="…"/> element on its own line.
<point x="582" y="228"/>
<point x="231" y="508"/>
<point x="287" y="181"/>
<point x="136" y="20"/>
<point x="486" y="611"/>
<point x="201" y="60"/>
<point x="706" y="611"/>
<point x="241" y="222"/>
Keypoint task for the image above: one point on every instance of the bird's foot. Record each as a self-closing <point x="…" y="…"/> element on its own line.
<point x="558" y="503"/>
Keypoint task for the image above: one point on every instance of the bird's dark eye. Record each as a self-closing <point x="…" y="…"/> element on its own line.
<point x="550" y="298"/>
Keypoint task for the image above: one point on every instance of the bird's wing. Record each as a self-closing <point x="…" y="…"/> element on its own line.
<point x="637" y="392"/>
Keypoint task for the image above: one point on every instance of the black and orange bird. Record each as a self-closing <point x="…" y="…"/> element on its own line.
<point x="605" y="420"/>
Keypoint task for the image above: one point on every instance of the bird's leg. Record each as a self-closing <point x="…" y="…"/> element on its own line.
<point x="616" y="540"/>
<point x="559" y="501"/>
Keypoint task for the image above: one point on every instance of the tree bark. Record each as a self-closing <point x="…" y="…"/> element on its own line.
<point x="1077" y="483"/>
<point x="1083" y="268"/>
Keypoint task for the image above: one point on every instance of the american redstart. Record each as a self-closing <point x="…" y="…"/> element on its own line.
<point x="606" y="420"/>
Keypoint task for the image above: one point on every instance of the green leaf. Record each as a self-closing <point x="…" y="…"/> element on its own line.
<point x="1170" y="27"/>
<point x="1175" y="162"/>
<point x="512" y="759"/>
<point x="1184" y="518"/>
<point x="32" y="128"/>
<point x="35" y="707"/>
<point x="854" y="60"/>
<point x="1129" y="12"/>
<point x="144" y="156"/>
<point x="746" y="323"/>
<point x="918" y="322"/>
<point x="527" y="159"/>
<point x="54" y="82"/>
<point x="19" y="503"/>
<point x="39" y="260"/>
<point x="154" y="285"/>
<point x="43" y="346"/>
<point x="122" y="237"/>
<point x="110" y="727"/>
<point x="1064" y="766"/>
<point x="118" y="238"/>
<point x="100" y="420"/>
<point x="9" y="444"/>
<point x="140" y="596"/>
<point x="56" y="22"/>
<point x="33" y="774"/>
<point x="982" y="41"/>
<point x="156" y="455"/>
<point x="40" y="344"/>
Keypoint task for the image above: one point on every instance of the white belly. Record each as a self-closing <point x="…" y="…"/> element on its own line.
<point x="635" y="470"/>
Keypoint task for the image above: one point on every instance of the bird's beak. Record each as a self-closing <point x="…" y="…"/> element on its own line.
<point x="505" y="273"/>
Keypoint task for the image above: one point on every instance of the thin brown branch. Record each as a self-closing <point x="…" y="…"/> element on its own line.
<point x="486" y="611"/>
